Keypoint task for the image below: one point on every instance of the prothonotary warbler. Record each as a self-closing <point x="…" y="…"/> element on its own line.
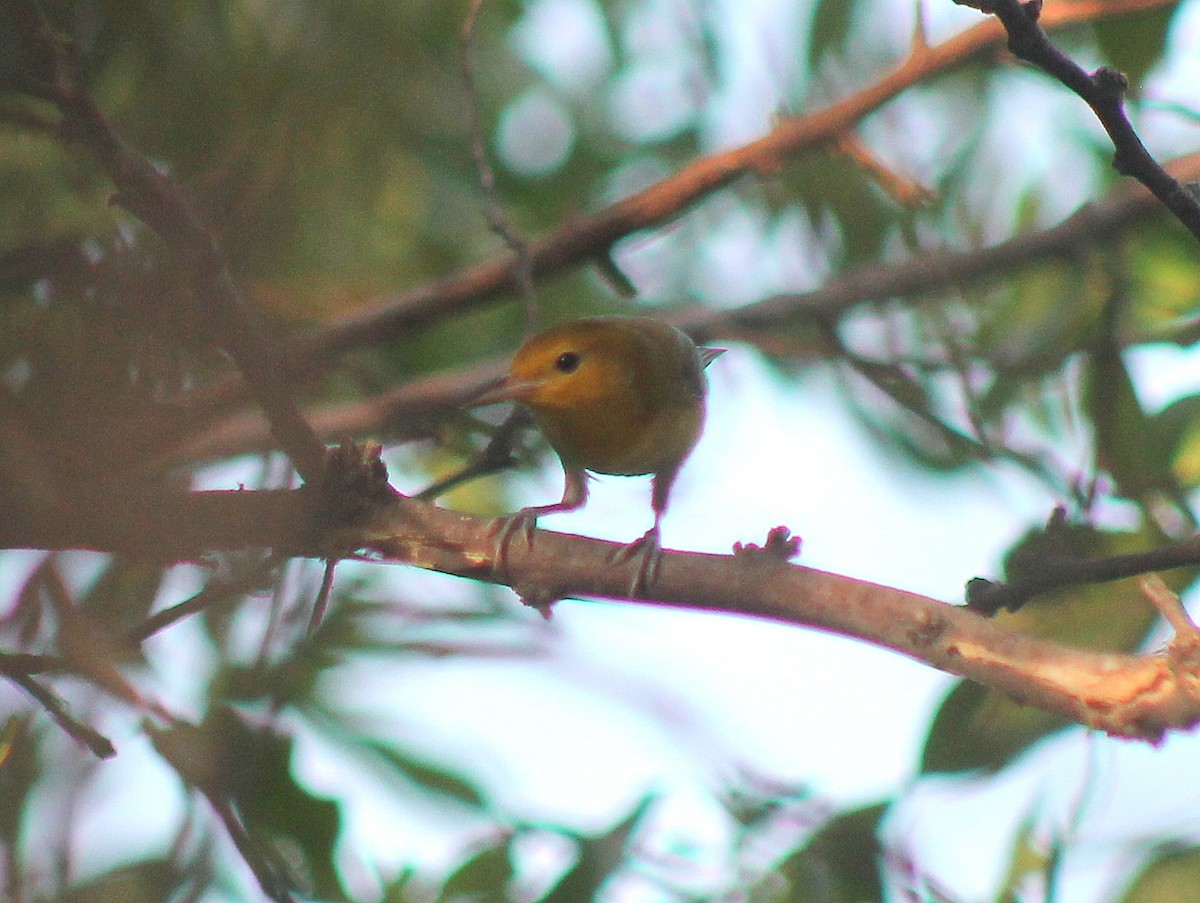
<point x="613" y="395"/>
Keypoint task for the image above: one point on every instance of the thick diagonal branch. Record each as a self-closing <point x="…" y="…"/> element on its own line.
<point x="1126" y="695"/>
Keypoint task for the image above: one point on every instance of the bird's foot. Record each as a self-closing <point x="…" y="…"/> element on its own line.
<point x="648" y="551"/>
<point x="509" y="526"/>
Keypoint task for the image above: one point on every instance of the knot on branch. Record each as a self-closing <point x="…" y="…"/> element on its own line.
<point x="986" y="597"/>
<point x="1111" y="84"/>
<point x="354" y="483"/>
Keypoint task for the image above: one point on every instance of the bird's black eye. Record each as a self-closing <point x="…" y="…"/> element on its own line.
<point x="567" y="362"/>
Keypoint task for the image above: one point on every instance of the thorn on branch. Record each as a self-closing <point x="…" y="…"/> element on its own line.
<point x="920" y="36"/>
<point x="322" y="601"/>
<point x="1111" y="83"/>
<point x="538" y="597"/>
<point x="1168" y="605"/>
<point x="902" y="189"/>
<point x="986" y="597"/>
<point x="1183" y="652"/>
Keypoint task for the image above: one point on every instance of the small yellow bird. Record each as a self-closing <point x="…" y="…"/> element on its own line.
<point x="613" y="395"/>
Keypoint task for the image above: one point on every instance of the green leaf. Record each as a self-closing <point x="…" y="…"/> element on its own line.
<point x="1133" y="43"/>
<point x="840" y="862"/>
<point x="123" y="594"/>
<point x="18" y="774"/>
<point x="150" y="881"/>
<point x="1044" y="311"/>
<point x="832" y="187"/>
<point x="1164" y="279"/>
<point x="1178" y="425"/>
<point x="1137" y="455"/>
<point x="1171" y="877"/>
<point x="483" y="878"/>
<point x="1025" y="859"/>
<point x="599" y="858"/>
<point x="436" y="779"/>
<point x="831" y="23"/>
<point x="978" y="729"/>
<point x="227" y="758"/>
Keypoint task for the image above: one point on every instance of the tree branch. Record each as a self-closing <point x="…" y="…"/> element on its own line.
<point x="1125" y="695"/>
<point x="1103" y="91"/>
<point x="497" y="219"/>
<point x="591" y="237"/>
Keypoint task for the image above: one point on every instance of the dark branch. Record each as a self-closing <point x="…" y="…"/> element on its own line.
<point x="987" y="597"/>
<point x="216" y="592"/>
<point x="1102" y="90"/>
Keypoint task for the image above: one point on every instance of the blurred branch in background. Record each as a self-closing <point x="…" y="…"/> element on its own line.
<point x="53" y="73"/>
<point x="414" y="411"/>
<point x="592" y="237"/>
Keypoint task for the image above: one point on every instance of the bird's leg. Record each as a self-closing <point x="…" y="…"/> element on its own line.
<point x="648" y="550"/>
<point x="524" y="522"/>
<point x="648" y="547"/>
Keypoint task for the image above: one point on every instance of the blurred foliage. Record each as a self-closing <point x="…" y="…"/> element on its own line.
<point x="841" y="861"/>
<point x="1169" y="877"/>
<point x="326" y="143"/>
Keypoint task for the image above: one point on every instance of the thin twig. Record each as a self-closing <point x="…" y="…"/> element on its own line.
<point x="988" y="597"/>
<point x="497" y="218"/>
<point x="322" y="600"/>
<point x="264" y="862"/>
<point x="1168" y="605"/>
<point x="1103" y="91"/>
<point x="99" y="745"/>
<point x="496" y="456"/>
<point x="498" y="453"/>
<point x="215" y="592"/>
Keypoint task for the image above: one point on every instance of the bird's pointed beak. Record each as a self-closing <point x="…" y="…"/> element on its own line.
<point x="708" y="355"/>
<point x="506" y="388"/>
